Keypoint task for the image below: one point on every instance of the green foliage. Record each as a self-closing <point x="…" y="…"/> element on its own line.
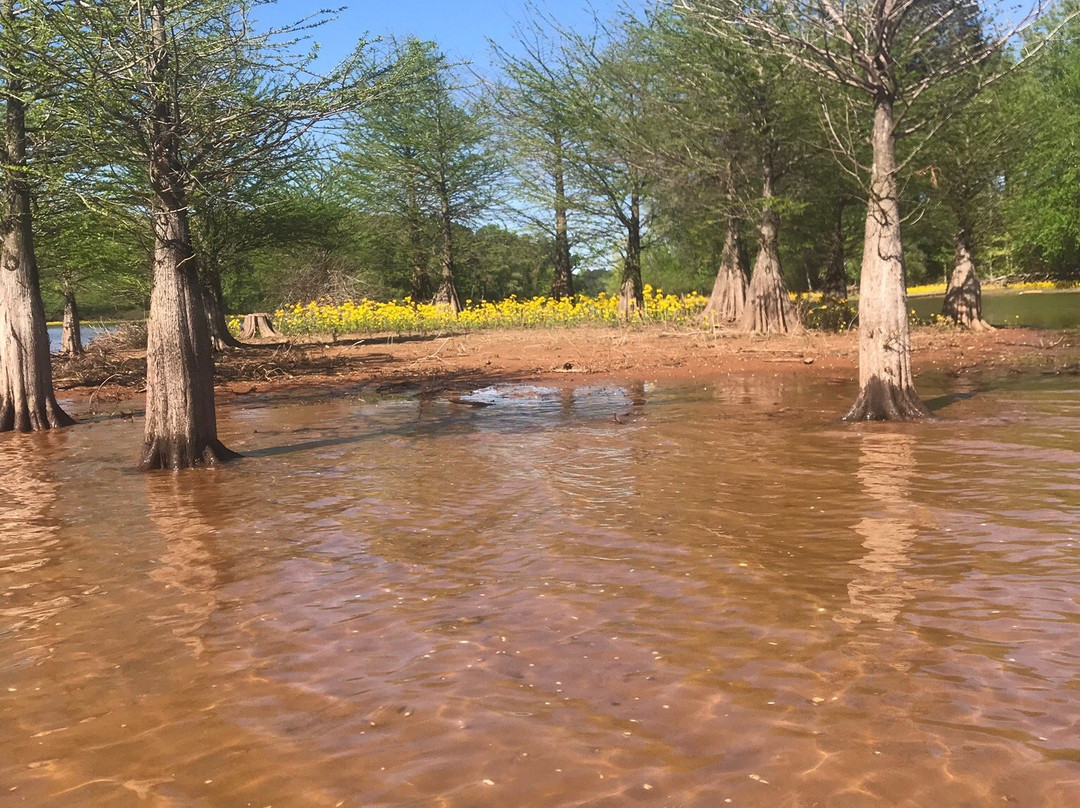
<point x="1043" y="183"/>
<point x="673" y="111"/>
<point x="680" y="267"/>
<point x="421" y="155"/>
<point x="84" y="252"/>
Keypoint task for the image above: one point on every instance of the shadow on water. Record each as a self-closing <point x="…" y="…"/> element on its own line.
<point x="938" y="403"/>
<point x="311" y="445"/>
<point x="184" y="510"/>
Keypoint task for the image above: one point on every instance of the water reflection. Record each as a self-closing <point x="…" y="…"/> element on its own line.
<point x="184" y="511"/>
<point x="30" y="534"/>
<point x="886" y="470"/>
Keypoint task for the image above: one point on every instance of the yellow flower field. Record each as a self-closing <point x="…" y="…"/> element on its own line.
<point x="409" y="317"/>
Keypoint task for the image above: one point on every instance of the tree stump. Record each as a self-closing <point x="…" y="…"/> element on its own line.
<point x="258" y="325"/>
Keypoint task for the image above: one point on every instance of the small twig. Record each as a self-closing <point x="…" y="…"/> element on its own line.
<point x="98" y="388"/>
<point x="434" y="354"/>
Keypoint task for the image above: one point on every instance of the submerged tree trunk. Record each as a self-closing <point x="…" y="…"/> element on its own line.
<point x="887" y="389"/>
<point x="631" y="289"/>
<point x="769" y="309"/>
<point x="71" y="343"/>
<point x="562" y="284"/>
<point x="835" y="286"/>
<point x="27" y="400"/>
<point x="963" y="298"/>
<point x="447" y="294"/>
<point x="181" y="425"/>
<point x="728" y="299"/>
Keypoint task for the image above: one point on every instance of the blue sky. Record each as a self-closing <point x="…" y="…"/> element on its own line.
<point x="461" y="27"/>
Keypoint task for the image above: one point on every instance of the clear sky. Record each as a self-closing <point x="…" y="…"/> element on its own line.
<point x="460" y="27"/>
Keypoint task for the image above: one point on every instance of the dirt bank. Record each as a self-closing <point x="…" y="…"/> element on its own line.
<point x="113" y="379"/>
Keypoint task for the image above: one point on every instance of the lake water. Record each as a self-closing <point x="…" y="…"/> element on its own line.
<point x="89" y="333"/>
<point x="1038" y="309"/>
<point x="691" y="597"/>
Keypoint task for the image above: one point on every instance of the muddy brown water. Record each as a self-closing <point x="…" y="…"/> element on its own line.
<point x="721" y="597"/>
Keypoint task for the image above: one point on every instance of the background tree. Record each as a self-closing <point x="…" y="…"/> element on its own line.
<point x="424" y="155"/>
<point x="742" y="123"/>
<point x="605" y="85"/>
<point x="87" y="254"/>
<point x="965" y="165"/>
<point x="1042" y="184"/>
<point x="27" y="399"/>
<point x="695" y="151"/>
<point x="237" y="215"/>
<point x="535" y="127"/>
<point x="899" y="61"/>
<point x="144" y="68"/>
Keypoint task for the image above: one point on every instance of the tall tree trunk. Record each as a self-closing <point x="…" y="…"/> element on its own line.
<point x="963" y="298"/>
<point x="562" y="284"/>
<point x="728" y="299"/>
<point x="181" y="425"/>
<point x="835" y="286"/>
<point x="887" y="388"/>
<point x="631" y="289"/>
<point x="27" y="399"/>
<point x="769" y="309"/>
<point x="214" y="303"/>
<point x="447" y="294"/>
<point x="419" y="283"/>
<point x="71" y="342"/>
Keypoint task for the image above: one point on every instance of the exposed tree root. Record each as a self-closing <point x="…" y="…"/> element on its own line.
<point x="176" y="454"/>
<point x="48" y="415"/>
<point x="881" y="401"/>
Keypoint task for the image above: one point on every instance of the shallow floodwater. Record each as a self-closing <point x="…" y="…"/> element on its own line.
<point x="601" y="597"/>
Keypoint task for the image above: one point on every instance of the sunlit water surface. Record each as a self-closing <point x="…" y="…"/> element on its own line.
<point x="600" y="597"/>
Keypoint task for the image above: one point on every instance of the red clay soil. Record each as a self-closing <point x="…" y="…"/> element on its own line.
<point x="448" y="363"/>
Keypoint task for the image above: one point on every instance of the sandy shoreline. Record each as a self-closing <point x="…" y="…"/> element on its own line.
<point x="438" y="365"/>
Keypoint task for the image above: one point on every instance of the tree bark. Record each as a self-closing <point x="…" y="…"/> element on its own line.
<point x="631" y="289"/>
<point x="887" y="389"/>
<point x="963" y="298"/>
<point x="447" y="294"/>
<point x="835" y="286"/>
<point x="214" y="303"/>
<point x="562" y="284"/>
<point x="728" y="299"/>
<point x="181" y="426"/>
<point x="769" y="309"/>
<point x="27" y="400"/>
<point x="71" y="343"/>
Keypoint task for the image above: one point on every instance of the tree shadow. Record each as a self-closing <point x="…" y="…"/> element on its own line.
<point x="938" y="403"/>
